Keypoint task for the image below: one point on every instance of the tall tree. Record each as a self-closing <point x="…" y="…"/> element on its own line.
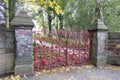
<point x="81" y="14"/>
<point x="111" y="14"/>
<point x="51" y="7"/>
<point x="8" y="8"/>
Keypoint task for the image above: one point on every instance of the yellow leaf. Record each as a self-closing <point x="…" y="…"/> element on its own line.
<point x="51" y="4"/>
<point x="58" y="9"/>
<point x="25" y="76"/>
<point x="5" y="0"/>
<point x="92" y="77"/>
<point x="36" y="75"/>
<point x="88" y="66"/>
<point x="118" y="46"/>
<point x="7" y="78"/>
<point x="17" y="77"/>
<point x="12" y="77"/>
<point x="42" y="2"/>
<point x="44" y="71"/>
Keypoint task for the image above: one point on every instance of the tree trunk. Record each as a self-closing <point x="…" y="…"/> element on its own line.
<point x="49" y="23"/>
<point x="61" y="21"/>
<point x="7" y="14"/>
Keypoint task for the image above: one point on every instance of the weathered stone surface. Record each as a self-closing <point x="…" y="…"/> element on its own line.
<point x="102" y="37"/>
<point x="2" y="51"/>
<point x="24" y="43"/>
<point x="24" y="70"/>
<point x="113" y="59"/>
<point x="9" y="33"/>
<point x="6" y="51"/>
<point x="24" y="52"/>
<point x="9" y="62"/>
<point x="99" y="37"/>
<point x="113" y="48"/>
<point x="2" y="63"/>
<point x="2" y="39"/>
<point x="2" y="59"/>
<point x="10" y="40"/>
<point x="22" y="61"/>
<point x="2" y="33"/>
<point x="2" y="69"/>
<point x="23" y="25"/>
<point x="101" y="61"/>
<point x="9" y="51"/>
<point x="22" y="18"/>
<point x="100" y="25"/>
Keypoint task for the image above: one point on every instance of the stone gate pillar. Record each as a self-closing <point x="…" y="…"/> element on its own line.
<point x="23" y="25"/>
<point x="99" y="57"/>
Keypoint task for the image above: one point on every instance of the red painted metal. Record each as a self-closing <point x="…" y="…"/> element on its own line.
<point x="34" y="51"/>
<point x="63" y="48"/>
<point x="90" y="50"/>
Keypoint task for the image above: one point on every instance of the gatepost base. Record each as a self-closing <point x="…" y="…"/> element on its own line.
<point x="22" y="70"/>
<point x="99" y="61"/>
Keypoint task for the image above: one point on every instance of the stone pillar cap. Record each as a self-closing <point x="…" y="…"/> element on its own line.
<point x="100" y="25"/>
<point x="22" y="19"/>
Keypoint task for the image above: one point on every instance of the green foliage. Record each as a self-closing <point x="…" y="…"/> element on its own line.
<point x="12" y="9"/>
<point x="80" y="14"/>
<point x="111" y="15"/>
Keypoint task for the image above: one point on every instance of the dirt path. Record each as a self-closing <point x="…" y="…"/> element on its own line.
<point x="85" y="73"/>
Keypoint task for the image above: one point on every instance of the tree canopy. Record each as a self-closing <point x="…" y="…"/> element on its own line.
<point x="78" y="14"/>
<point x="81" y="14"/>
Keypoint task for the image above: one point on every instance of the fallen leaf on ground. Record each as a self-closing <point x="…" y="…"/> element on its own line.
<point x="25" y="76"/>
<point x="92" y="77"/>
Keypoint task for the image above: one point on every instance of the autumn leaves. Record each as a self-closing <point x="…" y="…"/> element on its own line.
<point x="53" y="4"/>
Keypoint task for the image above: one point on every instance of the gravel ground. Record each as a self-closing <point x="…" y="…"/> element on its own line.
<point x="102" y="73"/>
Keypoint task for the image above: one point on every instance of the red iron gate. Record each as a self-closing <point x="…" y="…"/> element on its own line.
<point x="61" y="48"/>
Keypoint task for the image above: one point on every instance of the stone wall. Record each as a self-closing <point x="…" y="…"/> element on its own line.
<point x="6" y="50"/>
<point x="113" y="48"/>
